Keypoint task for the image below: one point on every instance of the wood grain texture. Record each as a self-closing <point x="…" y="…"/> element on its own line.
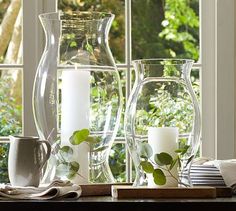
<point x="224" y="192"/>
<point x="127" y="191"/>
<point x="99" y="189"/>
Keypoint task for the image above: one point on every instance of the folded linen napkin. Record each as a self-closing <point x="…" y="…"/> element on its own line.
<point x="57" y="189"/>
<point x="227" y="169"/>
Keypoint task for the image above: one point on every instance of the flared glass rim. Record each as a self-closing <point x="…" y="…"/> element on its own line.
<point x="159" y="61"/>
<point x="76" y="16"/>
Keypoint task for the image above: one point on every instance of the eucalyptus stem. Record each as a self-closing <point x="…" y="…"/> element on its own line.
<point x="69" y="167"/>
<point x="80" y="175"/>
<point x="162" y="163"/>
<point x="178" y="180"/>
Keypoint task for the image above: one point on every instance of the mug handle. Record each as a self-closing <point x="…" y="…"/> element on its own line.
<point x="48" y="153"/>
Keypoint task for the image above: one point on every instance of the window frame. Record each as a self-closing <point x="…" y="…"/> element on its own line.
<point x="217" y="43"/>
<point x="32" y="51"/>
<point x="217" y="88"/>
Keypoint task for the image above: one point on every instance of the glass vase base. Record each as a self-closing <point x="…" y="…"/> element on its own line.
<point x="101" y="173"/>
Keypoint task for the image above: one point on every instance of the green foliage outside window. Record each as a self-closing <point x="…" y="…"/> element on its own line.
<point x="4" y="147"/>
<point x="10" y="112"/>
<point x="10" y="122"/>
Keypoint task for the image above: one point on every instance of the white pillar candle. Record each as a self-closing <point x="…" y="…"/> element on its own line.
<point x="75" y="104"/>
<point x="164" y="139"/>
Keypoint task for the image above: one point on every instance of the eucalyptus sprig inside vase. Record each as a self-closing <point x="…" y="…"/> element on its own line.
<point x="159" y="165"/>
<point x="67" y="166"/>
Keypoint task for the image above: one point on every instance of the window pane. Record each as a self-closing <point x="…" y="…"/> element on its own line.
<point x="10" y="32"/>
<point x="10" y="102"/>
<point x="117" y="32"/>
<point x="165" y="29"/>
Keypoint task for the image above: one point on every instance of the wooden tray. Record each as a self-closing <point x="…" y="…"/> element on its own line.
<point x="128" y="191"/>
<point x="224" y="192"/>
<point x="99" y="189"/>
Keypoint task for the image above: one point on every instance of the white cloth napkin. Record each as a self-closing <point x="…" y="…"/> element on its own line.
<point x="56" y="190"/>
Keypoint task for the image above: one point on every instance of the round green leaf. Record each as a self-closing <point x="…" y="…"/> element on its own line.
<point x="74" y="166"/>
<point x="145" y="150"/>
<point x="93" y="140"/>
<point x="147" y="166"/>
<point x="179" y="150"/>
<point x="163" y="159"/>
<point x="67" y="149"/>
<point x="84" y="133"/>
<point x="183" y="150"/>
<point x="173" y="163"/>
<point x="66" y="152"/>
<point x="79" y="136"/>
<point x="159" y="177"/>
<point x="71" y="175"/>
<point x="90" y="139"/>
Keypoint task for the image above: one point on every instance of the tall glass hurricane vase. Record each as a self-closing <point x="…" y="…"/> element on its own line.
<point x="162" y="116"/>
<point x="77" y="95"/>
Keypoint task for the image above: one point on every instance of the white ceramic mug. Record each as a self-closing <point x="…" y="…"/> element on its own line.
<point x="27" y="156"/>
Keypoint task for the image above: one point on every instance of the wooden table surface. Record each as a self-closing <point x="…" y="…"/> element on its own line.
<point x="108" y="203"/>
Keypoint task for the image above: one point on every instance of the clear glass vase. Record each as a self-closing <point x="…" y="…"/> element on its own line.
<point x="77" y="86"/>
<point x="163" y="112"/>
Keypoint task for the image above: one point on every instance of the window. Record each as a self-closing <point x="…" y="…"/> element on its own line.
<point x="11" y="66"/>
<point x="217" y="58"/>
<point x="214" y="67"/>
<point x="11" y="62"/>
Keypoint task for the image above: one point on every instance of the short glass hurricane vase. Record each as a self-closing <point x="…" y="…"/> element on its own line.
<point x="77" y="87"/>
<point x="162" y="104"/>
